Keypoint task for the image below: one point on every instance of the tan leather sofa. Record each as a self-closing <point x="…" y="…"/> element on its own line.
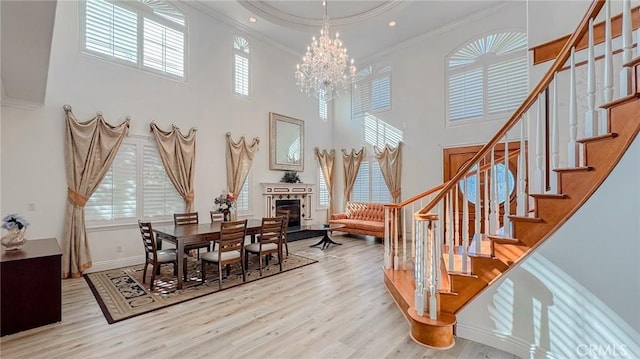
<point x="361" y="218"/>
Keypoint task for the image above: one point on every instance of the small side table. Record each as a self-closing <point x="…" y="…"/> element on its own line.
<point x="31" y="293"/>
<point x="325" y="228"/>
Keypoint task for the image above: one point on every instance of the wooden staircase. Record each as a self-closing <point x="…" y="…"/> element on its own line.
<point x="598" y="156"/>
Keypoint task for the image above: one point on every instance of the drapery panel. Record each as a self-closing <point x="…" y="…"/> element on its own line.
<point x="326" y="159"/>
<point x="178" y="154"/>
<point x="390" y="161"/>
<point x="352" y="161"/>
<point x="90" y="148"/>
<point x="239" y="159"/>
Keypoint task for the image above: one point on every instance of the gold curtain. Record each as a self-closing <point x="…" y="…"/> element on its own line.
<point x="90" y="148"/>
<point x="178" y="154"/>
<point x="390" y="160"/>
<point x="351" y="166"/>
<point x="326" y="161"/>
<point x="239" y="160"/>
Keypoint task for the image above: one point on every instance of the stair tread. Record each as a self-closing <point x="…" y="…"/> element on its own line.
<point x="574" y="169"/>
<point x="525" y="219"/>
<point x="621" y="100"/>
<point x="633" y="62"/>
<point x="548" y="195"/>
<point x="606" y="136"/>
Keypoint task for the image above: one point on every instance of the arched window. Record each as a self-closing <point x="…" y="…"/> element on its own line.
<point x="487" y="77"/>
<point x="241" y="66"/>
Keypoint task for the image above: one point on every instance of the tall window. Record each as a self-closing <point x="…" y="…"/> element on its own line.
<point x="146" y="34"/>
<point x="241" y="66"/>
<point x="242" y="204"/>
<point x="323" y="191"/>
<point x="379" y="133"/>
<point x="322" y="109"/>
<point x="136" y="186"/>
<point x="369" y="185"/>
<point x="487" y="78"/>
<point x="371" y="92"/>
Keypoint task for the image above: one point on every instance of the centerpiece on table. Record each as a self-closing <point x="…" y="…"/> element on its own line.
<point x="16" y="225"/>
<point x="225" y="203"/>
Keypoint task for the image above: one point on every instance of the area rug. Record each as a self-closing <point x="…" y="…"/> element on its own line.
<point x="121" y="294"/>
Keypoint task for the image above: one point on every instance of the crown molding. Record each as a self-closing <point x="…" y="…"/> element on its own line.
<point x="20" y="104"/>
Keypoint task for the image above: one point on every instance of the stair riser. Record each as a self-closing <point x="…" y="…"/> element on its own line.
<point x="486" y="269"/>
<point x="508" y="253"/>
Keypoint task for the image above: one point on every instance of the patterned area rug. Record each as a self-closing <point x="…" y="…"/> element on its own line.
<point x="121" y="294"/>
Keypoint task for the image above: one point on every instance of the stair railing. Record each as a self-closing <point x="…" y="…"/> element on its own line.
<point x="498" y="197"/>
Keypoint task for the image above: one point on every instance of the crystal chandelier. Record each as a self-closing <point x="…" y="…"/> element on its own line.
<point x="324" y="72"/>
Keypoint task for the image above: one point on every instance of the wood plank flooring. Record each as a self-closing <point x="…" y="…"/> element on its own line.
<point x="337" y="308"/>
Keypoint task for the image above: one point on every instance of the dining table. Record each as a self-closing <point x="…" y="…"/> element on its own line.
<point x="185" y="234"/>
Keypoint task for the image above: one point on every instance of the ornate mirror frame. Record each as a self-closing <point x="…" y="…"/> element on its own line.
<point x="286" y="143"/>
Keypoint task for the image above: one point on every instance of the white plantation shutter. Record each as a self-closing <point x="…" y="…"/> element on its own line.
<point x="322" y="109"/>
<point x="111" y="30"/>
<point x="379" y="190"/>
<point x="163" y="48"/>
<point x="378" y="133"/>
<point x="507" y="85"/>
<point x="360" y="99"/>
<point x="160" y="197"/>
<point x="323" y="192"/>
<point x="115" y="199"/>
<point x="381" y="94"/>
<point x="136" y="187"/>
<point x="466" y="95"/>
<point x="360" y="191"/>
<point x="242" y="203"/>
<point x="241" y="77"/>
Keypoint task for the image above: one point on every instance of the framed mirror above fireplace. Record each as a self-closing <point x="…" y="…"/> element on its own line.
<point x="286" y="143"/>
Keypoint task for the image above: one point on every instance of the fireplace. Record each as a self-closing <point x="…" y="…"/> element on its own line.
<point x="295" y="197"/>
<point x="293" y="206"/>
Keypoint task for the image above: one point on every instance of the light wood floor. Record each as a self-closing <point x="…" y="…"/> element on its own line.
<point x="337" y="308"/>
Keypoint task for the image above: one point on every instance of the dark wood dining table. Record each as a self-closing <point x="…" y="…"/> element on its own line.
<point x="197" y="233"/>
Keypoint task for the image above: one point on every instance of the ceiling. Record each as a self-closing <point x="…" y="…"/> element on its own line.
<point x="363" y="25"/>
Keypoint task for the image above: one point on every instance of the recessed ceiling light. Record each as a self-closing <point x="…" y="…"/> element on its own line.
<point x="252" y="19"/>
<point x="392" y="23"/>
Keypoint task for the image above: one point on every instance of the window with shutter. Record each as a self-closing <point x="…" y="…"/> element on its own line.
<point x="322" y="106"/>
<point x="370" y="185"/>
<point x="487" y="78"/>
<point x="323" y="191"/>
<point x="149" y="36"/>
<point x="135" y="187"/>
<point x="379" y="133"/>
<point x="241" y="66"/>
<point x="371" y="92"/>
<point x="242" y="203"/>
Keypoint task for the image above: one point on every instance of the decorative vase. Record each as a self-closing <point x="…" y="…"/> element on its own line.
<point x="227" y="216"/>
<point x="14" y="239"/>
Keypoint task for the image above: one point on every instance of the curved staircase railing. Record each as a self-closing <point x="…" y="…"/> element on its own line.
<point x="460" y="248"/>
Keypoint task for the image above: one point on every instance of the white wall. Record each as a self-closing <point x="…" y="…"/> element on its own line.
<point x="418" y="72"/>
<point x="32" y="141"/>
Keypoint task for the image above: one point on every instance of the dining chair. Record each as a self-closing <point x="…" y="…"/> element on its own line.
<point x="284" y="213"/>
<point x="230" y="249"/>
<point x="157" y="257"/>
<point x="216" y="216"/>
<point x="269" y="241"/>
<point x="180" y="219"/>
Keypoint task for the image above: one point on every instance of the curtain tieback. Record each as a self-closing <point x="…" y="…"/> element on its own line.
<point x="396" y="193"/>
<point x="76" y="198"/>
<point x="189" y="196"/>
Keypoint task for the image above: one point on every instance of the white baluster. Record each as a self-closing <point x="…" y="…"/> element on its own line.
<point x="486" y="202"/>
<point x="457" y="219"/>
<point x="478" y="213"/>
<point x="522" y="205"/>
<point x="608" y="70"/>
<point x="434" y="265"/>
<point x="396" y="259"/>
<point x="495" y="214"/>
<point x="572" y="152"/>
<point x="405" y="262"/>
<point x="451" y="238"/>
<point x="413" y="230"/>
<point x="539" y="148"/>
<point x="506" y="222"/>
<point x="465" y="224"/>
<point x="387" y="241"/>
<point x="418" y="272"/>
<point x="627" y="49"/>
<point x="555" y="141"/>
<point x="591" y="116"/>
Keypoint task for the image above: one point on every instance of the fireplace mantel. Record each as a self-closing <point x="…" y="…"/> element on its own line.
<point x="301" y="191"/>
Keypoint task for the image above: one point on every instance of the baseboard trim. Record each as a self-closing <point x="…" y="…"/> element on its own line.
<point x="115" y="263"/>
<point x="511" y="345"/>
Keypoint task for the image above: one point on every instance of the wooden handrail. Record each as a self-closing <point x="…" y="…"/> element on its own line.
<point x="559" y="62"/>
<point x="438" y="187"/>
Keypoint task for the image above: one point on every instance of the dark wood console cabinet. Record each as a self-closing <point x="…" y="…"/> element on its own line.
<point x="30" y="286"/>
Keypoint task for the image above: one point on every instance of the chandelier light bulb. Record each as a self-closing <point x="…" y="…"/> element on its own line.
<point x="324" y="71"/>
